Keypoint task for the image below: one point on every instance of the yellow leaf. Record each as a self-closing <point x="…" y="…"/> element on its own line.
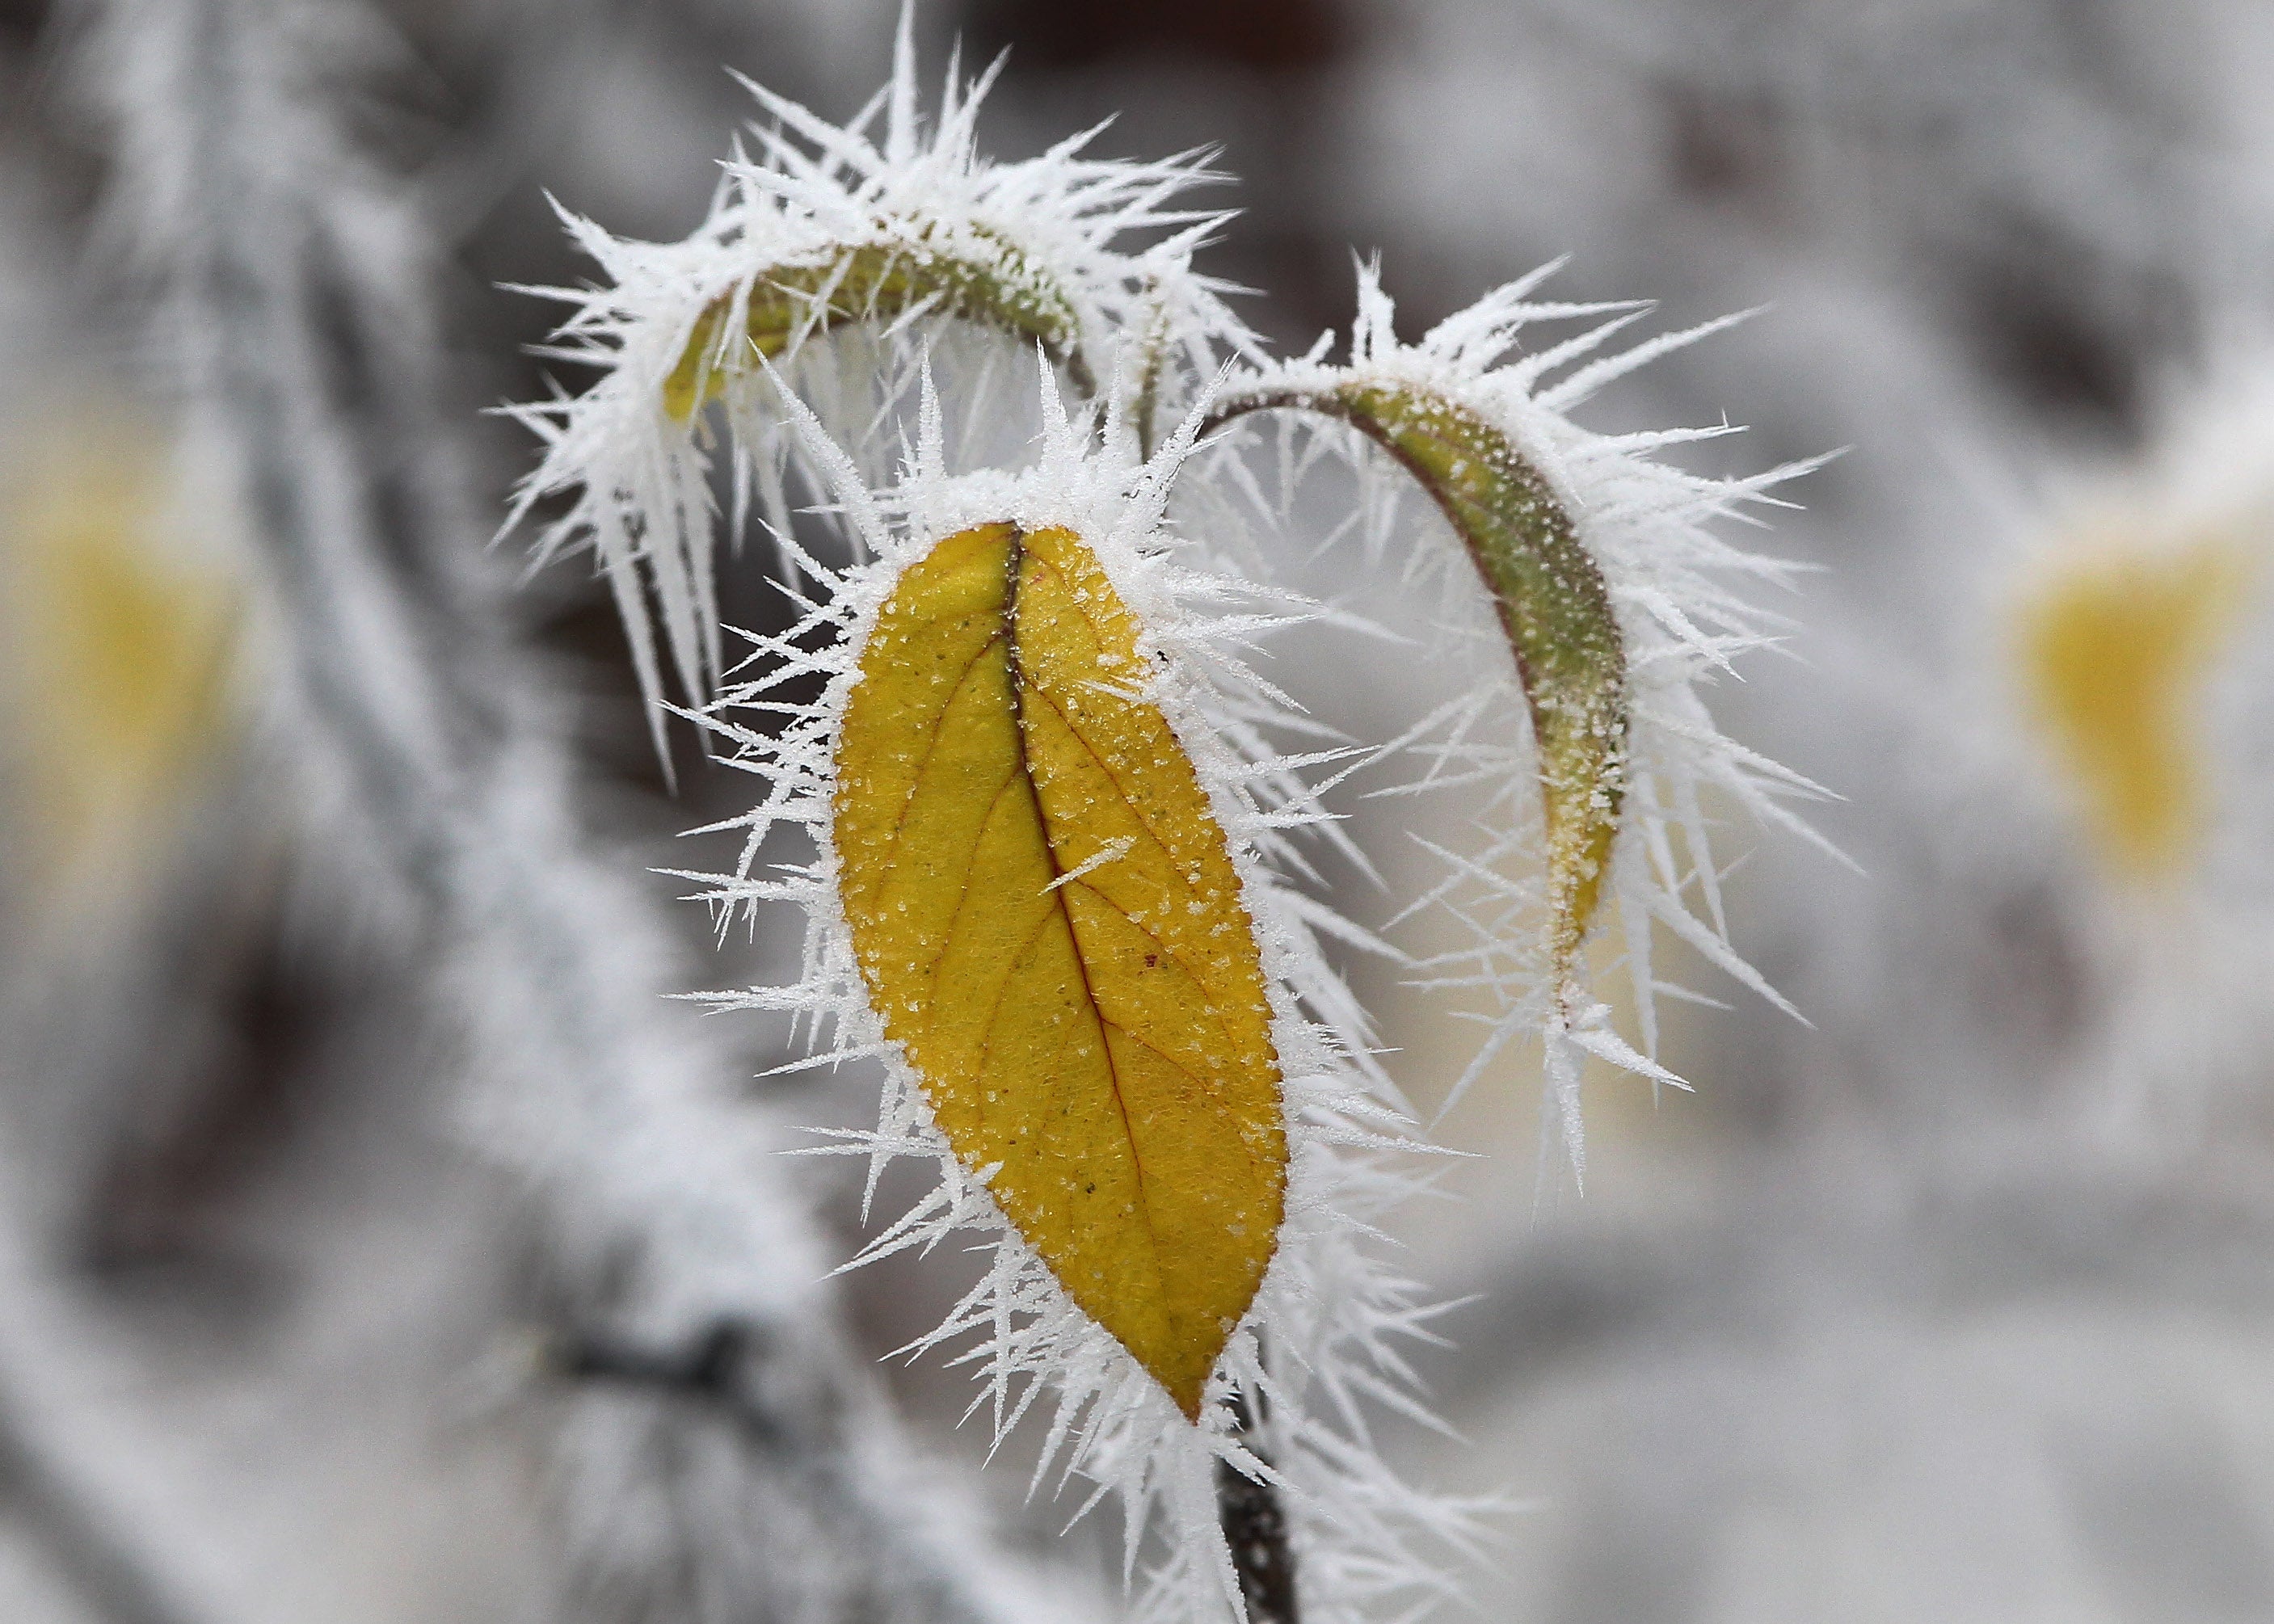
<point x="2113" y="650"/>
<point x="117" y="646"/>
<point x="1046" y="917"/>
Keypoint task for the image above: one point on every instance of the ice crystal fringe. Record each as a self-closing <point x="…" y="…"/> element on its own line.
<point x="1322" y="1345"/>
<point x="837" y="259"/>
<point x="1674" y="588"/>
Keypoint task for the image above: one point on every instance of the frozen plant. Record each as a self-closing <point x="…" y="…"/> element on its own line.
<point x="1056" y="870"/>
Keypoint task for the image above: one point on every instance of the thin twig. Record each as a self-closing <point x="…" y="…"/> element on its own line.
<point x="1255" y="1528"/>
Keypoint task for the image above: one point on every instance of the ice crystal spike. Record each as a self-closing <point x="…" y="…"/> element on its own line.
<point x="883" y="283"/>
<point x="1552" y="602"/>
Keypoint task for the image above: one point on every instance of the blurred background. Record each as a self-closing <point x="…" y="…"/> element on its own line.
<point x="1953" y="1302"/>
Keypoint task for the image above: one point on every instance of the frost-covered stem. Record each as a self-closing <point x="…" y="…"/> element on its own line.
<point x="1152" y="363"/>
<point x="1255" y="1529"/>
<point x="1552" y="601"/>
<point x="307" y="347"/>
<point x="1333" y="403"/>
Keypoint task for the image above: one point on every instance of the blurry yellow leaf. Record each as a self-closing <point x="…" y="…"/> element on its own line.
<point x="2113" y="650"/>
<point x="120" y="652"/>
<point x="1046" y="917"/>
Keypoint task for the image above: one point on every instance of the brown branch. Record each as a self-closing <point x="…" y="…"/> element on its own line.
<point x="1255" y="1528"/>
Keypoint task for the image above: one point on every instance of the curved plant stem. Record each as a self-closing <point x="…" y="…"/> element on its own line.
<point x="879" y="282"/>
<point x="1255" y="1529"/>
